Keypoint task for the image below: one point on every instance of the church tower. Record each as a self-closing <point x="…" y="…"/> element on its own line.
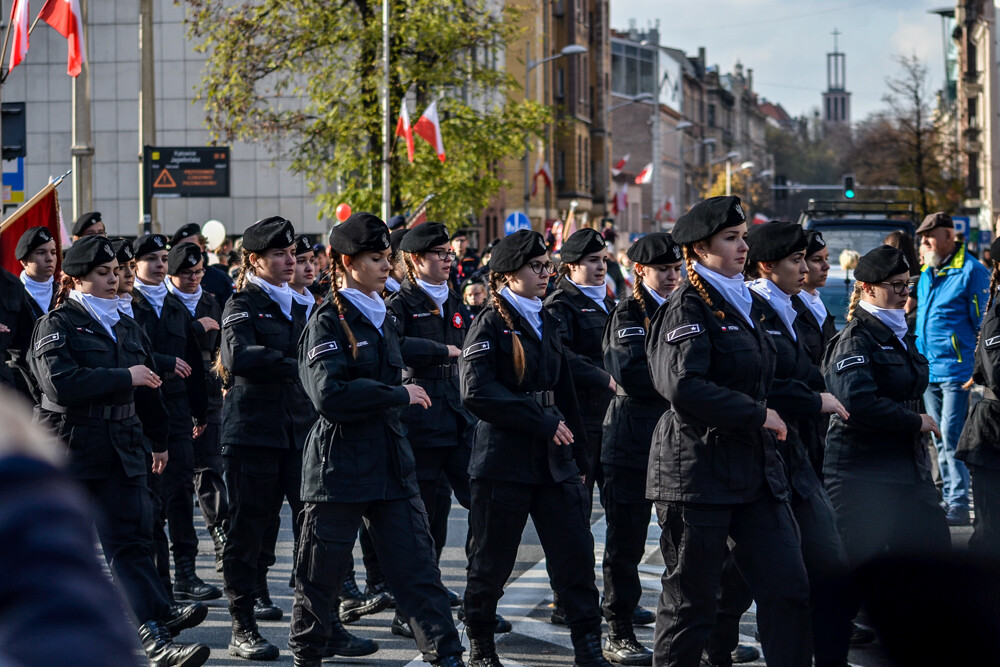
<point x="836" y="99"/>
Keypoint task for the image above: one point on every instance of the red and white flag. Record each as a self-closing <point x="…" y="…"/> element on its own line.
<point x="428" y="128"/>
<point x="19" y="32"/>
<point x="760" y="219"/>
<point x="646" y="175"/>
<point x="620" y="165"/>
<point x="404" y="130"/>
<point x="541" y="170"/>
<point x="65" y="18"/>
<point x="620" y="204"/>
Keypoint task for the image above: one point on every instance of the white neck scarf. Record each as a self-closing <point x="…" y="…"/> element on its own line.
<point x="437" y="293"/>
<point x="733" y="290"/>
<point x="595" y="292"/>
<point x="777" y="299"/>
<point x="306" y="299"/>
<point x="125" y="304"/>
<point x="105" y="311"/>
<point x="154" y="294"/>
<point x="41" y="292"/>
<point x="392" y="284"/>
<point x="281" y="295"/>
<point x="529" y="309"/>
<point x="894" y="318"/>
<point x="190" y="301"/>
<point x="371" y="305"/>
<point x="652" y="292"/>
<point x="816" y="306"/>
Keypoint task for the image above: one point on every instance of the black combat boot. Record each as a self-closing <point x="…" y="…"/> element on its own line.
<point x="219" y="539"/>
<point x="263" y="608"/>
<point x="401" y="625"/>
<point x="300" y="661"/>
<point x="246" y="641"/>
<point x="342" y="642"/>
<point x="162" y="652"/>
<point x="354" y="604"/>
<point x="483" y="651"/>
<point x="587" y="649"/>
<point x="187" y="584"/>
<point x="622" y="647"/>
<point x="184" y="615"/>
<point x="449" y="661"/>
<point x="373" y="589"/>
<point x="503" y="625"/>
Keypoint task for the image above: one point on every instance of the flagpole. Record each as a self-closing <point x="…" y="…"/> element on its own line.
<point x="386" y="118"/>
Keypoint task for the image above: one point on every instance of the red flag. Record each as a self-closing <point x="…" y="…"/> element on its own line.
<point x="542" y="170"/>
<point x="620" y="204"/>
<point x="404" y="130"/>
<point x="19" y="32"/>
<point x="620" y="165"/>
<point x="646" y="175"/>
<point x="428" y="128"/>
<point x="42" y="210"/>
<point x="65" y="17"/>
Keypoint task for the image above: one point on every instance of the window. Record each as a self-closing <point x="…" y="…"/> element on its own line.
<point x="579" y="161"/>
<point x="561" y="168"/>
<point x="711" y="115"/>
<point x="560" y="84"/>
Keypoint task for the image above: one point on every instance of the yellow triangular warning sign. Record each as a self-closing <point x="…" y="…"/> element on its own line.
<point x="164" y="180"/>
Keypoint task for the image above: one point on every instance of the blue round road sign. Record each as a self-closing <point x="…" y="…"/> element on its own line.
<point x="515" y="221"/>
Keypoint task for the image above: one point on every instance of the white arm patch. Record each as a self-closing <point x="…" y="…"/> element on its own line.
<point x="847" y="362"/>
<point x="47" y="340"/>
<point x="476" y="348"/>
<point x="684" y="331"/>
<point x="630" y="332"/>
<point x="235" y="317"/>
<point x="323" y="349"/>
<point x="992" y="342"/>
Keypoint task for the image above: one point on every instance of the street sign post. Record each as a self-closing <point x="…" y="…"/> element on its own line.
<point x="183" y="171"/>
<point x="515" y="221"/>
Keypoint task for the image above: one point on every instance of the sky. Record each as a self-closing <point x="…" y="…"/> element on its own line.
<point x="785" y="42"/>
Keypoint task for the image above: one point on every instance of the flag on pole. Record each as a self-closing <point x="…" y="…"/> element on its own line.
<point x="620" y="165"/>
<point x="542" y="170"/>
<point x="428" y="128"/>
<point x="19" y="31"/>
<point x="65" y="18"/>
<point x="760" y="219"/>
<point x="403" y="129"/>
<point x="646" y="175"/>
<point x="42" y="210"/>
<point x="620" y="204"/>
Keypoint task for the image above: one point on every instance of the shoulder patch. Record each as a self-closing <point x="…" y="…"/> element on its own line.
<point x="847" y="362"/>
<point x="47" y="340"/>
<point x="992" y="342"/>
<point x="775" y="332"/>
<point x="631" y="332"/>
<point x="323" y="349"/>
<point x="684" y="331"/>
<point x="235" y="317"/>
<point x="476" y="348"/>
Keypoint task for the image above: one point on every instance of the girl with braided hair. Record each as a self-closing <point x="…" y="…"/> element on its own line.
<point x="525" y="452"/>
<point x="628" y="431"/>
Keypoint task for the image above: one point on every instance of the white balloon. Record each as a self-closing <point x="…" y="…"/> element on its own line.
<point x="215" y="232"/>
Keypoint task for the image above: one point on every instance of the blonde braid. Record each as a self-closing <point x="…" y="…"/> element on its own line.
<point x="563" y="272"/>
<point x="855" y="299"/>
<point x="411" y="273"/>
<point x="637" y="293"/>
<point x="496" y="282"/>
<point x="338" y="301"/>
<point x="696" y="281"/>
<point x="65" y="287"/>
<point x="245" y="268"/>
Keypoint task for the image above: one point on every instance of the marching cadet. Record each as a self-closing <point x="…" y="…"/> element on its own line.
<point x="876" y="469"/>
<point x="714" y="469"/>
<point x="15" y="327"/>
<point x="628" y="431"/>
<point x="167" y="323"/>
<point x="215" y="282"/>
<point x="89" y="363"/>
<point x="527" y="453"/>
<point x="398" y="271"/>
<point x="88" y="224"/>
<point x="357" y="462"/>
<point x="305" y="273"/>
<point x="36" y="250"/>
<point x="266" y="415"/>
<point x="185" y="268"/>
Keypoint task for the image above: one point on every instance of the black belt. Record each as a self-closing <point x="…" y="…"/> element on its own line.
<point x="107" y="412"/>
<point x="442" y="372"/>
<point x="242" y="381"/>
<point x="544" y="399"/>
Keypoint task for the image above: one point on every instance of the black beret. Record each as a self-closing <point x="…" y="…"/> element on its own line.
<point x="814" y="241"/>
<point x="303" y="244"/>
<point x="396" y="238"/>
<point x="31" y="239"/>
<point x="273" y="232"/>
<point x="87" y="254"/>
<point x="362" y="232"/>
<point x="395" y="222"/>
<point x="878" y="264"/>
<point x="655" y="248"/>
<point x="514" y="251"/>
<point x="707" y="218"/>
<point x="84" y="221"/>
<point x="581" y="243"/>
<point x="148" y="243"/>
<point x="424" y="237"/>
<point x="182" y="257"/>
<point x="190" y="229"/>
<point x="123" y="250"/>
<point x="936" y="221"/>
<point x="775" y="240"/>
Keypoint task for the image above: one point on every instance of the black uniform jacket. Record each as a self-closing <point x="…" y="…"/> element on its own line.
<point x="980" y="441"/>
<point x="815" y="338"/>
<point x="792" y="397"/>
<point x="513" y="442"/>
<point x="15" y="314"/>
<point x="436" y="373"/>
<point x="208" y="342"/>
<point x="80" y="368"/>
<point x="357" y="450"/>
<point x="710" y="446"/>
<point x="631" y="418"/>
<point x="880" y="383"/>
<point x="266" y="405"/>
<point x="36" y="310"/>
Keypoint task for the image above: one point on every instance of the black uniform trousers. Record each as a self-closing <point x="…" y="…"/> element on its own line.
<point x="161" y="545"/>
<point x="402" y="538"/>
<point x="260" y="479"/>
<point x="125" y="529"/>
<point x="627" y="513"/>
<point x="831" y="608"/>
<point x="985" y="538"/>
<point x="451" y="464"/>
<point x="768" y="553"/>
<point x="209" y="485"/>
<point x="560" y="513"/>
<point x="178" y="479"/>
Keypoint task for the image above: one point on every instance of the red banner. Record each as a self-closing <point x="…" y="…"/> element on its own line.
<point x="42" y="210"/>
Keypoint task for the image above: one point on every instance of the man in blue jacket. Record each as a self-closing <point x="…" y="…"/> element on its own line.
<point x="951" y="300"/>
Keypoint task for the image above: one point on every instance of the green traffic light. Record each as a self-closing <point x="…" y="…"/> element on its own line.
<point x="849" y="194"/>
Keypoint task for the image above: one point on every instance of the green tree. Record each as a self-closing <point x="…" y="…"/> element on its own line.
<point x="303" y="77"/>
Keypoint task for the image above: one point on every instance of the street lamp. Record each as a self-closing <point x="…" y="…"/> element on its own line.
<point x="641" y="97"/>
<point x="529" y="64"/>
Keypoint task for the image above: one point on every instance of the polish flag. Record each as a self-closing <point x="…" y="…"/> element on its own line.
<point x="620" y="165"/>
<point x="542" y="170"/>
<point x="428" y="128"/>
<point x="620" y="204"/>
<point x="19" y="24"/>
<point x="646" y="175"/>
<point x="404" y="130"/>
<point x="65" y="18"/>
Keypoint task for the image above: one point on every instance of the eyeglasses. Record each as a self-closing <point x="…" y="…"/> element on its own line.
<point x="900" y="287"/>
<point x="192" y="274"/>
<point x="542" y="268"/>
<point x="443" y="254"/>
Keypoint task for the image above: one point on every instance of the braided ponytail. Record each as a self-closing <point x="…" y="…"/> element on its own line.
<point x="411" y="273"/>
<point x="336" y="265"/>
<point x="496" y="282"/>
<point x="696" y="281"/>
<point x="994" y="280"/>
<point x="246" y="267"/>
<point x="855" y="299"/>
<point x="563" y="272"/>
<point x="637" y="293"/>
<point x="65" y="287"/>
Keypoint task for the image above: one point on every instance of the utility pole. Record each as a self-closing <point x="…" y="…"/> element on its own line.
<point x="82" y="149"/>
<point x="386" y="119"/>
<point x="147" y="110"/>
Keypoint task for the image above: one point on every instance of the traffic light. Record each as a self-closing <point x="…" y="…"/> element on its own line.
<point x="849" y="186"/>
